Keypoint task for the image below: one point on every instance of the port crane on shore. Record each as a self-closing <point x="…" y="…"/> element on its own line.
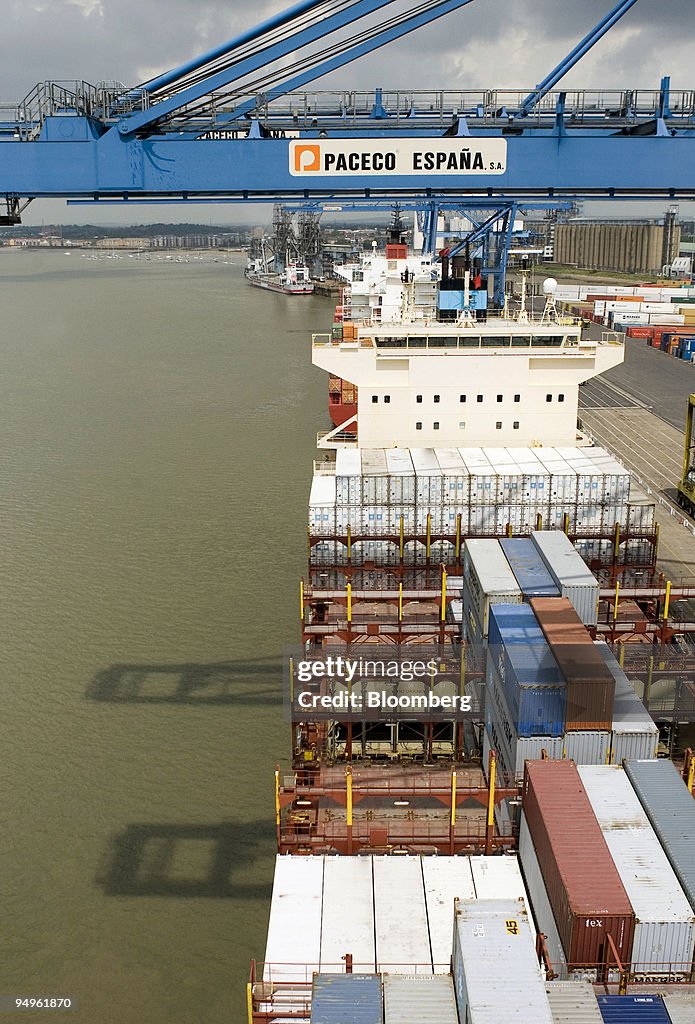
<point x="231" y="126"/>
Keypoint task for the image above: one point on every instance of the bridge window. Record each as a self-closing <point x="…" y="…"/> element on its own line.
<point x="516" y="424"/>
<point x="517" y="398"/>
<point x="466" y="342"/>
<point x="375" y="399"/>
<point x="498" y="425"/>
<point x="548" y="398"/>
<point x="435" y="425"/>
<point x="479" y="398"/>
<point x="560" y="398"/>
<point x="496" y="341"/>
<point x="462" y="398"/>
<point x="499" y="398"/>
<point x="521" y="341"/>
<point x="418" y="399"/>
<point x="387" y="398"/>
<point x="436" y="398"/>
<point x="418" y="425"/>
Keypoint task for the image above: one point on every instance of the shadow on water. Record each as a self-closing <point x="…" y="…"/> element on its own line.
<point x="186" y="860"/>
<point x="240" y="682"/>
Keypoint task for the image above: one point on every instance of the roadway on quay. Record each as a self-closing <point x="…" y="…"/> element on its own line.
<point x="637" y="411"/>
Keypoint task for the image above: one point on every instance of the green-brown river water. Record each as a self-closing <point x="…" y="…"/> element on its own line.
<point x="158" y="425"/>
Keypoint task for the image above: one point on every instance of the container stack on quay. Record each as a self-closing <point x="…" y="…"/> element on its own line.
<point x="664" y="940"/>
<point x="448" y="494"/>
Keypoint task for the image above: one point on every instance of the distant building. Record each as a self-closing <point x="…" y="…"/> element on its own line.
<point x="634" y="247"/>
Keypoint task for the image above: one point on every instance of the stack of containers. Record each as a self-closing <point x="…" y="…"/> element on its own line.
<point x="529" y="568"/>
<point x="535" y="495"/>
<point x="665" y="923"/>
<point x="590" y="685"/>
<point x="563" y="488"/>
<point x="418" y="999"/>
<point x="581" y="883"/>
<point x="491" y="938"/>
<point x="488" y="580"/>
<point x="455" y="491"/>
<point x="525" y="691"/>
<point x="671" y="811"/>
<point x="570" y="573"/>
<point x="484" y="515"/>
<point x="348" y="490"/>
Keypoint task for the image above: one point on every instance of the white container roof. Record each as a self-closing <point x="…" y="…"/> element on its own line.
<point x="652" y="887"/>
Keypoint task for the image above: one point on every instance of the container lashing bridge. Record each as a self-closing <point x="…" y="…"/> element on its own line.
<point x="231" y="126"/>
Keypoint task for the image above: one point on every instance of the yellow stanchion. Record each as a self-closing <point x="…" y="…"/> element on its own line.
<point x="349" y="602"/>
<point x="442" y="614"/>
<point x="453" y="799"/>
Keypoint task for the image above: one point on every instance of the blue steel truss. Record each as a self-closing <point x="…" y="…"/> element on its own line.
<point x="222" y="127"/>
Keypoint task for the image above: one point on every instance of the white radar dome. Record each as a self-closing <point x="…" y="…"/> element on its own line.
<point x="549" y="285"/>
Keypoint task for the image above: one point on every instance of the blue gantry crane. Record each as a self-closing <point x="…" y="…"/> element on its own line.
<point x="232" y="126"/>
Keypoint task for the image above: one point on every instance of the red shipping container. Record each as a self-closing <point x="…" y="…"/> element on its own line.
<point x="584" y="888"/>
<point x="590" y="687"/>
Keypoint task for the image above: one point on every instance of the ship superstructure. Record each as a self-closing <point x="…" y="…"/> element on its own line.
<point x="476" y="380"/>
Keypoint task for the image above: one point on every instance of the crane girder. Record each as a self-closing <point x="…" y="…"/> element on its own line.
<point x="70" y="162"/>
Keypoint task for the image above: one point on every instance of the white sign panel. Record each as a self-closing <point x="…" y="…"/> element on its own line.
<point x="380" y="157"/>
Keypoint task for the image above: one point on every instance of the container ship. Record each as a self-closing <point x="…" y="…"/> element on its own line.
<point x="476" y="827"/>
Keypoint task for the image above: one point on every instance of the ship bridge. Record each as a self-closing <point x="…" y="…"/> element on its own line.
<point x="503" y="382"/>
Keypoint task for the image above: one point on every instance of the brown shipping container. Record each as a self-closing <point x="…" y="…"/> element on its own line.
<point x="584" y="888"/>
<point x="590" y="686"/>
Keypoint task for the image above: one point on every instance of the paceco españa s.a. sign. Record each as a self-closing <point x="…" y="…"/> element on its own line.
<point x="462" y="156"/>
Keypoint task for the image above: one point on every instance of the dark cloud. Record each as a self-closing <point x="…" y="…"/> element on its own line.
<point x="487" y="43"/>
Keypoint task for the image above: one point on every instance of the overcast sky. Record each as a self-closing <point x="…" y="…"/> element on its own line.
<point x="485" y="44"/>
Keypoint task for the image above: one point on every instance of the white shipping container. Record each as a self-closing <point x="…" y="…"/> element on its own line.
<point x="400" y="915"/>
<point x="500" y="878"/>
<point x="401" y="476"/>
<point x="492" y="937"/>
<point x="589" y="746"/>
<point x="347" y="920"/>
<point x="573" y="1002"/>
<point x="664" y="319"/>
<point x="322" y="506"/>
<point x="428" y="475"/>
<point x="571" y="573"/>
<point x="348" y="476"/>
<point x="634" y="734"/>
<point x="445" y="879"/>
<point x="680" y="1005"/>
<point x="665" y="927"/>
<point x="293" y="946"/>
<point x="419" y="999"/>
<point x="489" y="578"/>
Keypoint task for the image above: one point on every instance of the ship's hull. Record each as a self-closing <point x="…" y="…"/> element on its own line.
<point x="274" y="284"/>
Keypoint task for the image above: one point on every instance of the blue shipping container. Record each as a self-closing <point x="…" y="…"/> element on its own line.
<point x="671" y="811"/>
<point x="529" y="568"/>
<point x="347" y="999"/>
<point x="531" y="681"/>
<point x="633" y="1010"/>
